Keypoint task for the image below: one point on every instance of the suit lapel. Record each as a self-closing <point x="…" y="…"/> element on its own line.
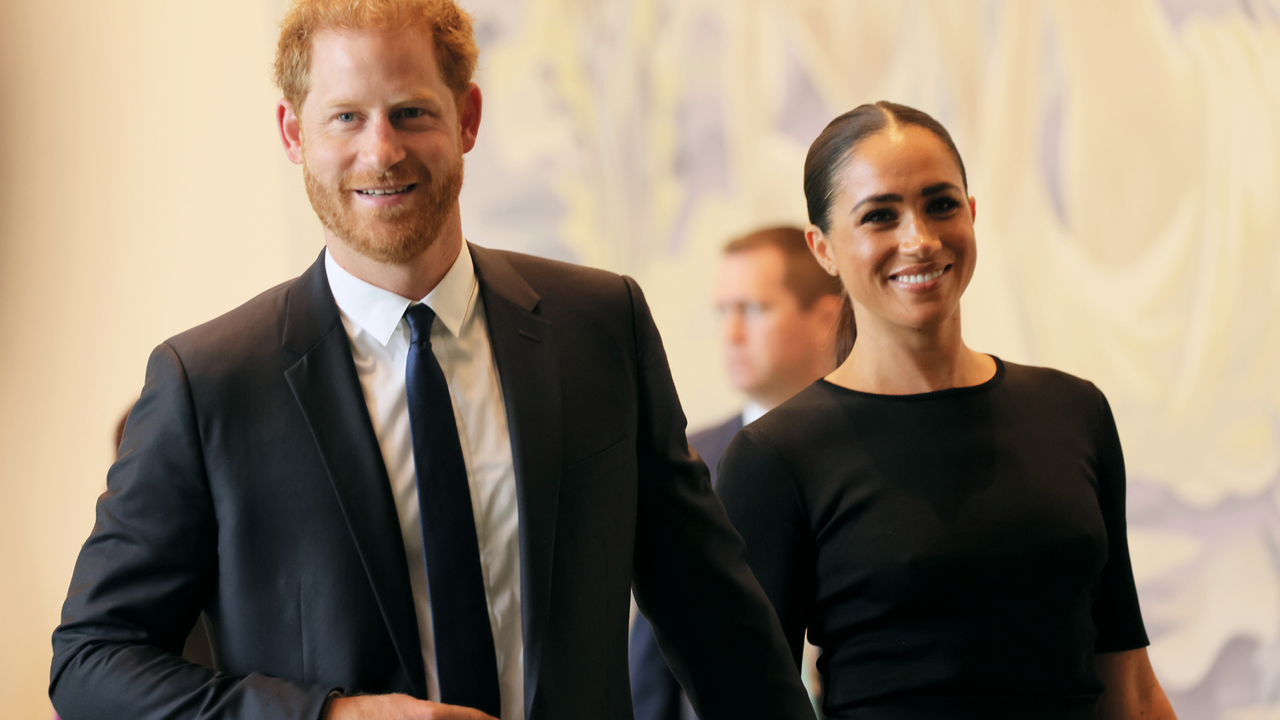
<point x="524" y="350"/>
<point x="327" y="389"/>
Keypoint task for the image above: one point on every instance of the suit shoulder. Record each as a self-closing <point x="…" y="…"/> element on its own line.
<point x="726" y="429"/>
<point x="239" y="335"/>
<point x="711" y="442"/>
<point x="555" y="277"/>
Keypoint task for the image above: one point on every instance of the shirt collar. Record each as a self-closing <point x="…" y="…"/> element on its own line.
<point x="753" y="412"/>
<point x="378" y="312"/>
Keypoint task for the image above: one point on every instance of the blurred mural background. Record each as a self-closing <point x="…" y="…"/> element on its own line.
<point x="1125" y="155"/>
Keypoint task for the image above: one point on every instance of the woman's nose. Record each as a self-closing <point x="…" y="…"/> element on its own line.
<point x="918" y="237"/>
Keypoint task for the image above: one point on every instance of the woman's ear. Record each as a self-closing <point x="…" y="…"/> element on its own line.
<point x="821" y="249"/>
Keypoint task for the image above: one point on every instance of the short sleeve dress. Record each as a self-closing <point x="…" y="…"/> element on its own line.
<point x="955" y="554"/>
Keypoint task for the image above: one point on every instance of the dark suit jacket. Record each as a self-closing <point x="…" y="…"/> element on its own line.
<point x="657" y="693"/>
<point x="250" y="486"/>
<point x="711" y="443"/>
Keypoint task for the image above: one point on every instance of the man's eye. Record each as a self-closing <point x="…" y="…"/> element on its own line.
<point x="347" y="117"/>
<point x="412" y="113"/>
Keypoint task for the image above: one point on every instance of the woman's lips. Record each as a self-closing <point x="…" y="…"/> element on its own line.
<point x="919" y="279"/>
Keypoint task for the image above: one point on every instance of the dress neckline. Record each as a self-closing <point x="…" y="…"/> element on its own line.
<point x="985" y="386"/>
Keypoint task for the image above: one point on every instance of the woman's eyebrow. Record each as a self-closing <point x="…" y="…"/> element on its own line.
<point x="887" y="197"/>
<point x="937" y="188"/>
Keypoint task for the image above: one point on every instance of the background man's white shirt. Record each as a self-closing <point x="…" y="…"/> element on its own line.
<point x="374" y="321"/>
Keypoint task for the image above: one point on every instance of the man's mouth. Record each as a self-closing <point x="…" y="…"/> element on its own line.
<point x="921" y="278"/>
<point x="387" y="191"/>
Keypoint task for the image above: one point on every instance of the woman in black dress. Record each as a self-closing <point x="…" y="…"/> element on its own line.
<point x="949" y="528"/>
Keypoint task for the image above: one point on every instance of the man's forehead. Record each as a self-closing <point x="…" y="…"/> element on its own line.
<point x="410" y="49"/>
<point x="759" y="269"/>
<point x="345" y="61"/>
<point x="763" y="260"/>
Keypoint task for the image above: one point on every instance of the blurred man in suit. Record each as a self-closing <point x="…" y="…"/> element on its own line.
<point x="778" y="312"/>
<point x="421" y="479"/>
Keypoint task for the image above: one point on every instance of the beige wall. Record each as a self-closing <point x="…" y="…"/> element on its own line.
<point x="141" y="191"/>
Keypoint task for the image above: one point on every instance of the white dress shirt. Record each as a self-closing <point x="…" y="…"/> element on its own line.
<point x="752" y="412"/>
<point x="374" y="321"/>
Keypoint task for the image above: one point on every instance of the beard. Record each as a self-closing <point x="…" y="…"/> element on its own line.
<point x="392" y="235"/>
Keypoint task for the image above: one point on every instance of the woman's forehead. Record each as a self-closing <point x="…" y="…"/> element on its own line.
<point x="901" y="156"/>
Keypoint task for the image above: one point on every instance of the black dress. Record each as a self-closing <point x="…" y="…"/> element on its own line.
<point x="955" y="554"/>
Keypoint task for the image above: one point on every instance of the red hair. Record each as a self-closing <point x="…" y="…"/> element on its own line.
<point x="450" y="26"/>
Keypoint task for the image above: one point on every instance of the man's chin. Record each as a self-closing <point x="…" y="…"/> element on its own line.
<point x="395" y="235"/>
<point x="388" y="248"/>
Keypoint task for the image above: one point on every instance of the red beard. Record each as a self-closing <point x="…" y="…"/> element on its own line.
<point x="393" y="235"/>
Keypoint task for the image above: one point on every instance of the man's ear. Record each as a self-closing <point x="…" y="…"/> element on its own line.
<point x="469" y="111"/>
<point x="821" y="249"/>
<point x="290" y="130"/>
<point x="827" y="310"/>
<point x="973" y="208"/>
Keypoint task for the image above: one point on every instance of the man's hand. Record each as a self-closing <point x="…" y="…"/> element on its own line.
<point x="398" y="707"/>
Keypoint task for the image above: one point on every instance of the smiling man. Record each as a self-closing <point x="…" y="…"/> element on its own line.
<point x="420" y="480"/>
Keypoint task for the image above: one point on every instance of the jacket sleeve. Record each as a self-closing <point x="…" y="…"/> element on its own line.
<point x="762" y="500"/>
<point x="142" y="577"/>
<point x="655" y="692"/>
<point x="711" y="618"/>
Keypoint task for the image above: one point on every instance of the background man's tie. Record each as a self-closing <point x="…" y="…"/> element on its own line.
<point x="465" y="654"/>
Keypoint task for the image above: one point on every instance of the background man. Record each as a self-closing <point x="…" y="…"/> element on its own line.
<point x="421" y="470"/>
<point x="778" y="311"/>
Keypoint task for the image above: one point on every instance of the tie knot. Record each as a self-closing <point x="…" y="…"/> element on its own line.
<point x="420" y="317"/>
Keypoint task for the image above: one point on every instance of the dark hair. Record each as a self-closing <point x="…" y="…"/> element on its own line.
<point x="828" y="156"/>
<point x="802" y="275"/>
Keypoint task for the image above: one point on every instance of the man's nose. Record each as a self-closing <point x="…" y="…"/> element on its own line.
<point x="732" y="327"/>
<point x="382" y="147"/>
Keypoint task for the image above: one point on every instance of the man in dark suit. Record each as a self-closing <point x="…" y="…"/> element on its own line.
<point x="421" y="479"/>
<point x="778" y="311"/>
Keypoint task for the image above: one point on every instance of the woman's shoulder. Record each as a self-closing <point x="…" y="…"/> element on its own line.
<point x="1065" y="397"/>
<point x="771" y="461"/>
<point x="1046" y="382"/>
<point x="797" y="423"/>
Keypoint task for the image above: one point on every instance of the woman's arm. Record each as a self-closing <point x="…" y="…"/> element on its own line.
<point x="1132" y="690"/>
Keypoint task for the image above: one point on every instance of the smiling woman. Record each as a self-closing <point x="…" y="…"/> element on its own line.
<point x="948" y="528"/>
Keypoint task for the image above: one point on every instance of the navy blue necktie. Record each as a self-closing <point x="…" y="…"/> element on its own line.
<point x="465" y="655"/>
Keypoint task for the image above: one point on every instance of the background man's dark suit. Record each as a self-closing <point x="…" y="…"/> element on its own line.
<point x="657" y="692"/>
<point x="711" y="442"/>
<point x="250" y="485"/>
<point x="778" y="313"/>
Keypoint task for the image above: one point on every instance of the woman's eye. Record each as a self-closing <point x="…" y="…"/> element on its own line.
<point x="879" y="216"/>
<point x="412" y="113"/>
<point x="943" y="205"/>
